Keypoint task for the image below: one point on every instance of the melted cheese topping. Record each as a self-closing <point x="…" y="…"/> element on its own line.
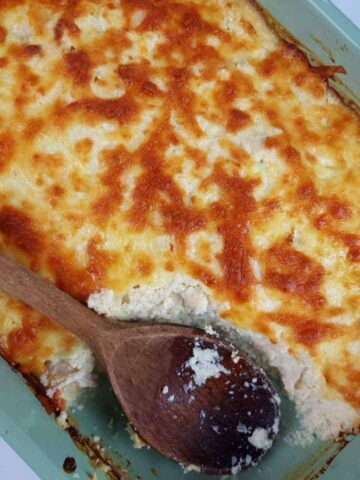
<point x="141" y="137"/>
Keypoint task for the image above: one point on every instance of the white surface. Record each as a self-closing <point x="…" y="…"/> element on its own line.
<point x="11" y="466"/>
<point x="351" y="8"/>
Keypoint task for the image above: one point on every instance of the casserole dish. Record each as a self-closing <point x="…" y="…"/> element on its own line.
<point x="91" y="420"/>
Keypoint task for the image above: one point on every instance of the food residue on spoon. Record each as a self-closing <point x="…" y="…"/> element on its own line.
<point x="241" y="428"/>
<point x="260" y="439"/>
<point x="253" y="423"/>
<point x="237" y="464"/>
<point x="205" y="363"/>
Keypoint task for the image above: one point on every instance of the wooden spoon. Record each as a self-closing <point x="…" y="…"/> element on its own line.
<point x="191" y="396"/>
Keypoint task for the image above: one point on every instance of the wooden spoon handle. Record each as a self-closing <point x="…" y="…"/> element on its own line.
<point x="47" y="299"/>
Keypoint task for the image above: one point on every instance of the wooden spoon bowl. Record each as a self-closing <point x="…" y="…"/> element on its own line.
<point x="208" y="425"/>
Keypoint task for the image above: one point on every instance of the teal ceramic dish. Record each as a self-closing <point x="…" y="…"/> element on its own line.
<point x="322" y="29"/>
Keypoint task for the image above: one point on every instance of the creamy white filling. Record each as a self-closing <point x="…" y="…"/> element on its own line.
<point x="68" y="373"/>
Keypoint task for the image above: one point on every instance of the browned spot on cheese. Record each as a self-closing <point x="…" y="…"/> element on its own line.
<point x="161" y="15"/>
<point x="18" y="228"/>
<point x="205" y="276"/>
<point x="207" y="57"/>
<point x="238" y="191"/>
<point x="150" y="89"/>
<point x="55" y="192"/>
<point x="156" y="13"/>
<point x="338" y="209"/>
<point x="136" y="78"/>
<point x="286" y="60"/>
<point x="235" y="258"/>
<point x="311" y="332"/>
<point x="186" y="24"/>
<point x="153" y="183"/>
<point x="116" y="161"/>
<point x="122" y="109"/>
<point x="7" y="149"/>
<point x="307" y="331"/>
<point x="292" y="156"/>
<point x="134" y="73"/>
<point x="70" y="277"/>
<point x="33" y="128"/>
<point x="52" y="405"/>
<point x="143" y="265"/>
<point x="267" y="207"/>
<point x="328" y="71"/>
<point x="65" y="23"/>
<point x="181" y="97"/>
<point x="290" y="63"/>
<point x="3" y="33"/>
<point x="227" y="93"/>
<point x="31" y="50"/>
<point x="232" y="216"/>
<point x="26" y="344"/>
<point x="329" y="222"/>
<point x="49" y="162"/>
<point x="181" y="220"/>
<point x="169" y="266"/>
<point x="27" y="77"/>
<point x="238" y="86"/>
<point x="273" y="142"/>
<point x="345" y="378"/>
<point x="21" y="340"/>
<point x="78" y="66"/>
<point x="83" y="148"/>
<point x="114" y="41"/>
<point x="293" y="272"/>
<point x="352" y="242"/>
<point x="192" y="22"/>
<point x="3" y="62"/>
<point x="334" y="209"/>
<point x="307" y="135"/>
<point x="307" y="191"/>
<point x="237" y="120"/>
<point x="28" y="81"/>
<point x="59" y="29"/>
<point x="204" y="250"/>
<point x="98" y="262"/>
<point x="310" y="83"/>
<point x="79" y="281"/>
<point x="248" y="26"/>
<point x="351" y="390"/>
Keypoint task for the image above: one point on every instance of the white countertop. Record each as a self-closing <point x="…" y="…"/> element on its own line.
<point x="351" y="8"/>
<point x="11" y="465"/>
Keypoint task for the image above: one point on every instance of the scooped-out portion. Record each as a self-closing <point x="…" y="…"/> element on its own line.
<point x="185" y="301"/>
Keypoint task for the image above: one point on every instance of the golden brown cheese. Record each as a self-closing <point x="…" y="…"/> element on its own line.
<point x="137" y="136"/>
